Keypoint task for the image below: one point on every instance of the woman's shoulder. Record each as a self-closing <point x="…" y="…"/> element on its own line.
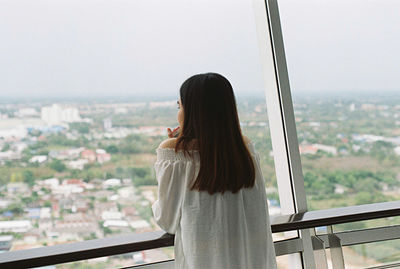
<point x="166" y="150"/>
<point x="168" y="143"/>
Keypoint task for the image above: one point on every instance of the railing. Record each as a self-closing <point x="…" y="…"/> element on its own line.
<point x="136" y="242"/>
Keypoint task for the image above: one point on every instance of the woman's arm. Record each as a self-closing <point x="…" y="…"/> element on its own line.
<point x="167" y="209"/>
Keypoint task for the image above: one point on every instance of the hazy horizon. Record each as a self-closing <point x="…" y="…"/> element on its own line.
<point x="104" y="48"/>
<point x="329" y="95"/>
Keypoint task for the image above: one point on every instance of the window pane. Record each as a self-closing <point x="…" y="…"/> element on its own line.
<point x="342" y="57"/>
<point x="342" y="60"/>
<point x="380" y="253"/>
<point x="88" y="89"/>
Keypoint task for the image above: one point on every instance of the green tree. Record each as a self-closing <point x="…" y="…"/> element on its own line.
<point x="81" y="127"/>
<point x="6" y="147"/>
<point x="112" y="149"/>
<point x="57" y="165"/>
<point x="138" y="171"/>
<point x="28" y="177"/>
<point x="15" y="208"/>
<point x="148" y="180"/>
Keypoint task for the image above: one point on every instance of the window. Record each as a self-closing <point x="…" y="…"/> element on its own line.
<point x="342" y="59"/>
<point x="88" y="91"/>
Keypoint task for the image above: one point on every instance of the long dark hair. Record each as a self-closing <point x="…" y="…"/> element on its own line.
<point x="210" y="117"/>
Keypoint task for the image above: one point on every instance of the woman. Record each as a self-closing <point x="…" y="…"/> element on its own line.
<point x="211" y="190"/>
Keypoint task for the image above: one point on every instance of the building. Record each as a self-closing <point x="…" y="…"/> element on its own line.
<point x="77" y="164"/>
<point x="38" y="159"/>
<point x="112" y="182"/>
<point x="56" y="114"/>
<point x="107" y="124"/>
<point x="89" y="155"/>
<point x="5" y="242"/>
<point x="102" y="156"/>
<point x="319" y="60"/>
<point x="15" y="226"/>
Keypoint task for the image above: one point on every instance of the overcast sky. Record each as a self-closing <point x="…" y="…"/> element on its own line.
<point x="149" y="47"/>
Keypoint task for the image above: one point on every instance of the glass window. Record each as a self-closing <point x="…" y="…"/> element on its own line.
<point x="342" y="57"/>
<point x="88" y="89"/>
<point x="384" y="254"/>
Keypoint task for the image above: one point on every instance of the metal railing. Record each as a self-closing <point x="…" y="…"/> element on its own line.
<point x="137" y="242"/>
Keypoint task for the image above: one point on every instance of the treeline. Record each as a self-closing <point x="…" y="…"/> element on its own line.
<point x="367" y="186"/>
<point x="133" y="144"/>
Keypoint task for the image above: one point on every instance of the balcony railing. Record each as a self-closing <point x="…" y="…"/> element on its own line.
<point x="137" y="242"/>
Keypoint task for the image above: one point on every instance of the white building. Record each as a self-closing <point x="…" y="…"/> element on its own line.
<point x="116" y="223"/>
<point x="15" y="226"/>
<point x="55" y="114"/>
<point x="126" y="192"/>
<point x="325" y="148"/>
<point x="10" y="155"/>
<point x="111" y="215"/>
<point x="112" y="182"/>
<point x="17" y="132"/>
<point x="38" y="159"/>
<point x="107" y="124"/>
<point x="6" y="242"/>
<point x="51" y="182"/>
<point x="45" y="213"/>
<point x="67" y="190"/>
<point x="78" y="164"/>
<point x="139" y="224"/>
<point x="27" y="112"/>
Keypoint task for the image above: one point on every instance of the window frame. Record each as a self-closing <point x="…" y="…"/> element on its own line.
<point x="282" y="125"/>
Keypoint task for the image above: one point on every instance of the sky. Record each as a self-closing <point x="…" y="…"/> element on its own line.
<point x="55" y="48"/>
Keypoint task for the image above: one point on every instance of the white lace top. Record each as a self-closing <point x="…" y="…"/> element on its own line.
<point x="219" y="231"/>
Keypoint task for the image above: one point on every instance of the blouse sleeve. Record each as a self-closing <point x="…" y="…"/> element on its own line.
<point x="167" y="209"/>
<point x="256" y="158"/>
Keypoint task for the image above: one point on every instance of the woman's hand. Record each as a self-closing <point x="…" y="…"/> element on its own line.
<point x="173" y="133"/>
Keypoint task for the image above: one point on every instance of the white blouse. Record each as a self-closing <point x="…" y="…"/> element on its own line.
<point x="218" y="231"/>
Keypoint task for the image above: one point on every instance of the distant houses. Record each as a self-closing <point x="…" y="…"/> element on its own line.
<point x="77" y="158"/>
<point x="15" y="226"/>
<point x="38" y="159"/>
<point x="314" y="148"/>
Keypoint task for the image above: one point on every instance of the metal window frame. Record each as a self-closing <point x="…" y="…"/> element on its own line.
<point x="285" y="146"/>
<point x="282" y="124"/>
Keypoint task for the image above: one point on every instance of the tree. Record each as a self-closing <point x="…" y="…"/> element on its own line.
<point x="81" y="127"/>
<point x="112" y="149"/>
<point x="28" y="177"/>
<point x="57" y="165"/>
<point x="15" y="208"/>
<point x="6" y="147"/>
<point x="148" y="180"/>
<point x="139" y="171"/>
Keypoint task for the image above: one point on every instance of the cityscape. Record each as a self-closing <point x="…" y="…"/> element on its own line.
<point x="83" y="169"/>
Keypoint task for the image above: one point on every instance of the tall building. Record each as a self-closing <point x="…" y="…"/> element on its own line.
<point x="56" y="114"/>
<point x="107" y="123"/>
